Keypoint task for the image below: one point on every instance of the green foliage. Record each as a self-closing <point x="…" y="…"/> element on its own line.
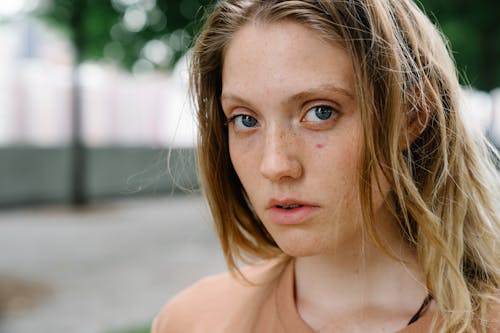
<point x="473" y="30"/>
<point x="98" y="31"/>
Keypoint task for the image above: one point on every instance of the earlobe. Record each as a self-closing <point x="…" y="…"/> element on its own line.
<point x="415" y="125"/>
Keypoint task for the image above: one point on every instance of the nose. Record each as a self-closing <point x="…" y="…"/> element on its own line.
<point x="279" y="160"/>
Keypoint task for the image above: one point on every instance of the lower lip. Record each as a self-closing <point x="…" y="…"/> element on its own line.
<point x="291" y="216"/>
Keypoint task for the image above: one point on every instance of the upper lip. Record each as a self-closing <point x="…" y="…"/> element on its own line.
<point x="288" y="202"/>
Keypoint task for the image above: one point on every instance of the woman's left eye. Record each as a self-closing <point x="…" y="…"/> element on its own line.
<point x="319" y="113"/>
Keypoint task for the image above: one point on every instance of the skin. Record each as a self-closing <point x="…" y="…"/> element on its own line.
<point x="295" y="136"/>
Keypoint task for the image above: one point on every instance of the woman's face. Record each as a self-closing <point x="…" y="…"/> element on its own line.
<point x="295" y="135"/>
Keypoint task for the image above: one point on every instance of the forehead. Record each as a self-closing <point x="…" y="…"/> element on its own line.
<point x="283" y="58"/>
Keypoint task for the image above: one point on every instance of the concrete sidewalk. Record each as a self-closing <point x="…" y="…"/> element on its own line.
<point x="108" y="267"/>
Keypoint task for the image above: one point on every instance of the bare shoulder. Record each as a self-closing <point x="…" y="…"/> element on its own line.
<point x="216" y="300"/>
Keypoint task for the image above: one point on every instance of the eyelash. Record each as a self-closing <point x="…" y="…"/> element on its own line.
<point x="332" y="110"/>
<point x="234" y="118"/>
<point x="332" y="113"/>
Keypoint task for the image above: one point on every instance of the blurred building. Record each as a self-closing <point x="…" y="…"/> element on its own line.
<point x="130" y="120"/>
<point x="119" y="108"/>
<point x="138" y="127"/>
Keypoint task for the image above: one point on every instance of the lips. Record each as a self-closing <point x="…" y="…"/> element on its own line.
<point x="287" y="203"/>
<point x="290" y="211"/>
<point x="289" y="206"/>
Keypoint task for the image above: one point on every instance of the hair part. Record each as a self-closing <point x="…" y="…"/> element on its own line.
<point x="444" y="184"/>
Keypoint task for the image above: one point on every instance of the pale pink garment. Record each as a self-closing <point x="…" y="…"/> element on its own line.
<point x="225" y="304"/>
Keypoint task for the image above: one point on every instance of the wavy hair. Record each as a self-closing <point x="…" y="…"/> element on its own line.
<point x="445" y="188"/>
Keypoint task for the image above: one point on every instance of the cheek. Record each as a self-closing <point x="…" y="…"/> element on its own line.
<point x="235" y="158"/>
<point x="340" y="152"/>
<point x="243" y="159"/>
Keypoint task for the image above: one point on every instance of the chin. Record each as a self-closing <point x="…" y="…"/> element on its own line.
<point x="302" y="252"/>
<point x="301" y="246"/>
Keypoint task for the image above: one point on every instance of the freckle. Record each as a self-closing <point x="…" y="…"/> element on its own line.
<point x="320" y="145"/>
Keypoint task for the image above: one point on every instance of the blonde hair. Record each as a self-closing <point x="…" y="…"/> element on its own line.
<point x="444" y="183"/>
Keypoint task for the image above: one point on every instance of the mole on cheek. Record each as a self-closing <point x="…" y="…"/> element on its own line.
<point x="320" y="145"/>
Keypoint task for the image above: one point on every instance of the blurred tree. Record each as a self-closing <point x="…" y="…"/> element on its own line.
<point x="147" y="34"/>
<point x="137" y="34"/>
<point x="155" y="33"/>
<point x="128" y="32"/>
<point x="474" y="33"/>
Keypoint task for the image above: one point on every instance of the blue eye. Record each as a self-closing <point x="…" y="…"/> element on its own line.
<point x="243" y="121"/>
<point x="319" y="113"/>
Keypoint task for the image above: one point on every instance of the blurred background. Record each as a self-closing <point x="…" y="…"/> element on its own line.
<point x="101" y="220"/>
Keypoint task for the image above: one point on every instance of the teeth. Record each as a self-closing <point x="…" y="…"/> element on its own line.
<point x="290" y="207"/>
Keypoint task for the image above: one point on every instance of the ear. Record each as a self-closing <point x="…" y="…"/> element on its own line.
<point x="416" y="123"/>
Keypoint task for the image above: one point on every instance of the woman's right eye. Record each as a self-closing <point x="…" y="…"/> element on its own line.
<point x="243" y="122"/>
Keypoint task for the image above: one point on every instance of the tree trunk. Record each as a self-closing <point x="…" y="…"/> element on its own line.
<point x="78" y="195"/>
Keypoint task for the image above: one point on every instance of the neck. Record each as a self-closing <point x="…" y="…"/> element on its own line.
<point x="359" y="274"/>
<point x="360" y="277"/>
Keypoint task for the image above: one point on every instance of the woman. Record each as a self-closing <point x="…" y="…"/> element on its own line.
<point x="331" y="149"/>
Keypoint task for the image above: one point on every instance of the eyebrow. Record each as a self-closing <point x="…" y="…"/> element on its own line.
<point x="321" y="89"/>
<point x="300" y="96"/>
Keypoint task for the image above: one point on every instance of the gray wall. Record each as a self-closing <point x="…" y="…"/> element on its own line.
<point x="31" y="175"/>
